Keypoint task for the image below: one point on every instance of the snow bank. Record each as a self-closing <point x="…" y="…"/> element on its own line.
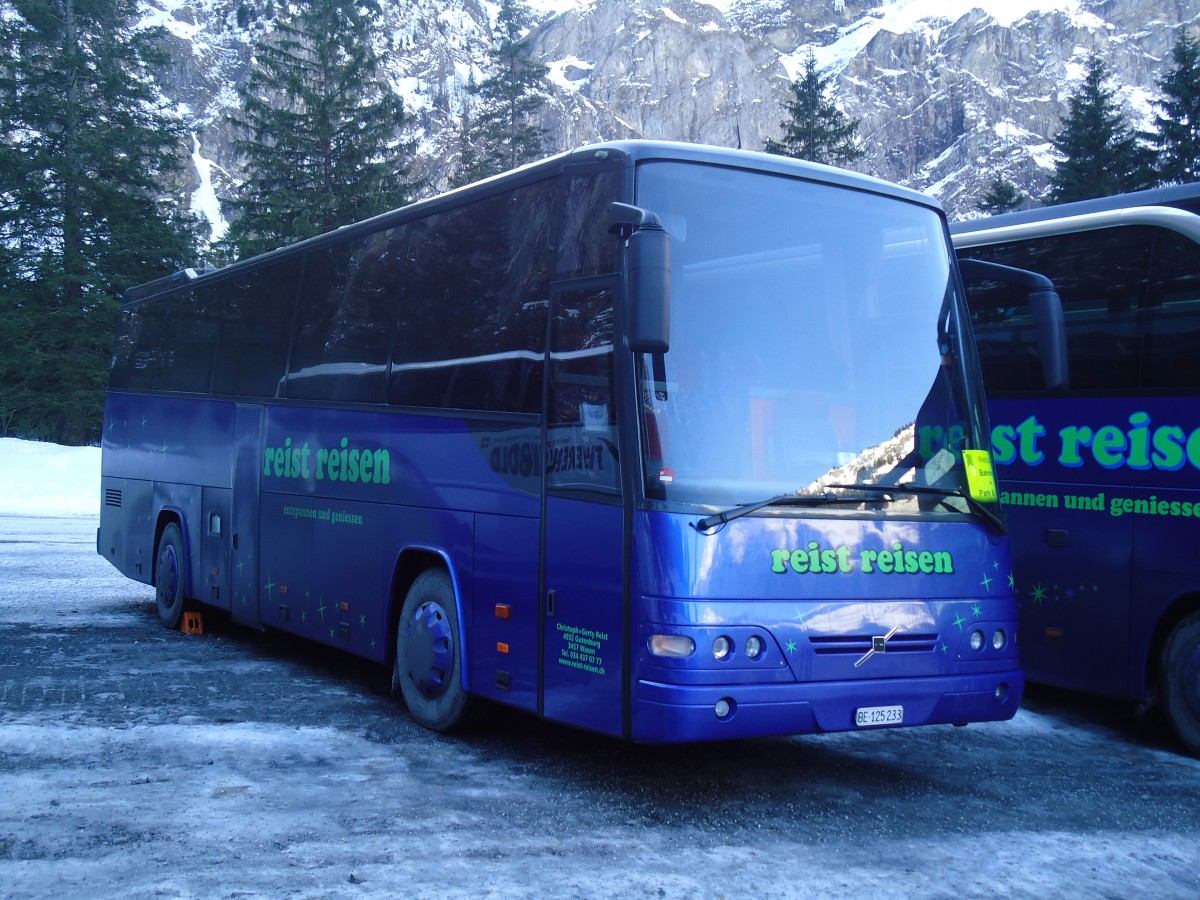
<point x="39" y="479"/>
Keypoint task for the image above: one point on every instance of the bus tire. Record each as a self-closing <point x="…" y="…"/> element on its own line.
<point x="428" y="670"/>
<point x="169" y="577"/>
<point x="1179" y="681"/>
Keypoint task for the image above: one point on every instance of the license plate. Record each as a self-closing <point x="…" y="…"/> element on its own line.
<point x="879" y="715"/>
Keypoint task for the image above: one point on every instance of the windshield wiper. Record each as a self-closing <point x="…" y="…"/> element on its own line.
<point x="716" y="519"/>
<point x="944" y="493"/>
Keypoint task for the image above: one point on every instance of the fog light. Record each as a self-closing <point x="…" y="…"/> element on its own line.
<point x="977" y="640"/>
<point x="754" y="647"/>
<point x="1002" y="692"/>
<point x="724" y="708"/>
<point x="677" y="645"/>
<point x="721" y="647"/>
<point x="999" y="639"/>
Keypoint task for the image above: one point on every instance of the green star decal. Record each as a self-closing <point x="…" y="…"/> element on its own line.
<point x="987" y="581"/>
<point x="791" y="647"/>
<point x="800" y="615"/>
<point x="269" y="585"/>
<point x="959" y="621"/>
<point x="976" y="610"/>
<point x="945" y="649"/>
<point x="321" y="609"/>
<point x="1012" y="582"/>
<point x="1039" y="594"/>
<point x="362" y="620"/>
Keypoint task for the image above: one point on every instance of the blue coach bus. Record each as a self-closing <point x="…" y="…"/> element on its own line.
<point x="1101" y="475"/>
<point x="666" y="442"/>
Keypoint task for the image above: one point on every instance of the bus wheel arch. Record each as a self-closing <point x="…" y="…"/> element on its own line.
<point x="170" y="571"/>
<point x="428" y="658"/>
<point x="1179" y="680"/>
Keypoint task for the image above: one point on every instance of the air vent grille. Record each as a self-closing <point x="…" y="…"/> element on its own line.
<point x="859" y="644"/>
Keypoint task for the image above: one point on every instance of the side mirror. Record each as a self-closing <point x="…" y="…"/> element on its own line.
<point x="648" y="273"/>
<point x="1045" y="306"/>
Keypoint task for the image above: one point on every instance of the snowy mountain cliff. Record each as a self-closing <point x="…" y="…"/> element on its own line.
<point x="950" y="93"/>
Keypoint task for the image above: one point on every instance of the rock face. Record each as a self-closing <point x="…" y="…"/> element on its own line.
<point x="949" y="93"/>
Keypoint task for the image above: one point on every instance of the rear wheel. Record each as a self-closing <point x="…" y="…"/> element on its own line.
<point x="168" y="577"/>
<point x="428" y="671"/>
<point x="1179" y="681"/>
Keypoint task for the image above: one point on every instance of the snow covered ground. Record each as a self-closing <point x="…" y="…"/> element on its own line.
<point x="38" y="479"/>
<point x="137" y="762"/>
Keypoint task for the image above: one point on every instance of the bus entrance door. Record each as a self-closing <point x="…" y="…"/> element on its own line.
<point x="243" y="537"/>
<point x="582" y="650"/>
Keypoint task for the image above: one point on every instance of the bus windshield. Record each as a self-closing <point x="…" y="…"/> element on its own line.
<point x="814" y="343"/>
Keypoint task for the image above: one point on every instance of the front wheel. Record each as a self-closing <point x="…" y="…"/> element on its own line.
<point x="168" y="577"/>
<point x="1179" y="681"/>
<point x="428" y="670"/>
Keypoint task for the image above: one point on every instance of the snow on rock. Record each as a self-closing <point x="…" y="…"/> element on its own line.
<point x="925" y="78"/>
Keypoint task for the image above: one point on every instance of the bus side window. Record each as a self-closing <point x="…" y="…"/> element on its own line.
<point x="471" y="323"/>
<point x="192" y="327"/>
<point x="346" y="315"/>
<point x="587" y="248"/>
<point x="1171" y="337"/>
<point x="581" y="444"/>
<point x="1102" y="278"/>
<point x="138" y="350"/>
<point x="253" y="347"/>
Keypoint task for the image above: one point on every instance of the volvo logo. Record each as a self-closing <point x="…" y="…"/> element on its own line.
<point x="878" y="645"/>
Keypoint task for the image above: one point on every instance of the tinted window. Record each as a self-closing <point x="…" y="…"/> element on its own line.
<point x="346" y="313"/>
<point x="1171" y="336"/>
<point x="138" y="349"/>
<point x="1103" y="279"/>
<point x="587" y="247"/>
<point x="471" y="325"/>
<point x="252" y="350"/>
<point x="581" y="441"/>
<point x="193" y="322"/>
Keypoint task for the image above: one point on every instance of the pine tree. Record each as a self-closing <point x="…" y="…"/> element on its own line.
<point x="816" y="129"/>
<point x="320" y="128"/>
<point x="86" y="146"/>
<point x="1001" y="197"/>
<point x="1178" y="137"/>
<point x="504" y="131"/>
<point x="1101" y="154"/>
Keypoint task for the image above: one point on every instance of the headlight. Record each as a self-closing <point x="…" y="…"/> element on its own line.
<point x="721" y="647"/>
<point x="977" y="640"/>
<point x="754" y="647"/>
<point x="999" y="639"/>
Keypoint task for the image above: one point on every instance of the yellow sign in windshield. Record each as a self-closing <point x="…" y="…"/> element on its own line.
<point x="981" y="478"/>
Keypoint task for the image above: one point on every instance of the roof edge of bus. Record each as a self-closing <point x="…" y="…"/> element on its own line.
<point x="631" y="151"/>
<point x="1171" y="218"/>
<point x="1153" y="197"/>
<point x="643" y="150"/>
